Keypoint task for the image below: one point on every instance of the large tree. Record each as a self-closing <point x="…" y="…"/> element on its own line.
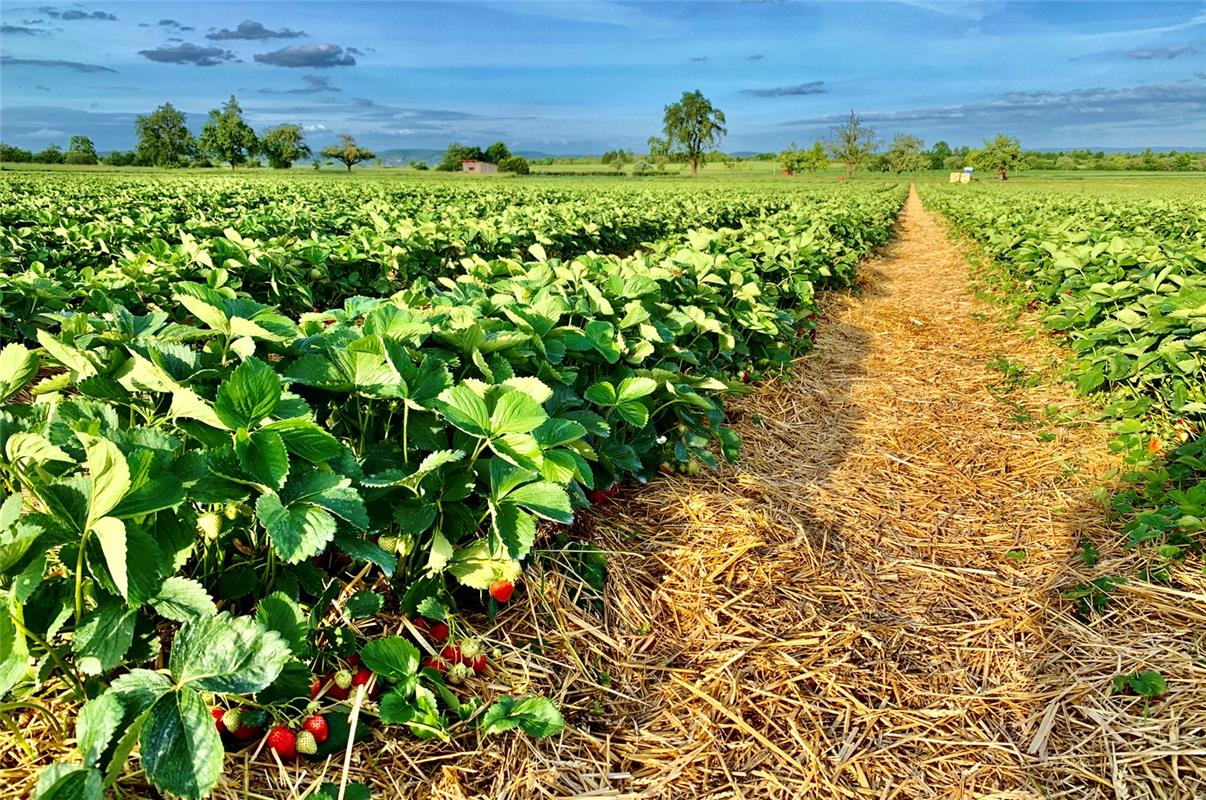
<point x="81" y="151"/>
<point x="938" y="154"/>
<point x="456" y="153"/>
<point x="1001" y="154"/>
<point x="163" y="138"/>
<point x="904" y="154"/>
<point x="693" y="125"/>
<point x="347" y="152"/>
<point x="283" y="145"/>
<point x="497" y="153"/>
<point x="227" y="136"/>
<point x="853" y="143"/>
<point x="797" y="160"/>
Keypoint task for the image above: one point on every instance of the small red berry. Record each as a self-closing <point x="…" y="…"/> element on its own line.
<point x="218" y="713"/>
<point x="283" y="742"/>
<point x="452" y="654"/>
<point x="315" y="687"/>
<point x="439" y="632"/>
<point x="362" y="676"/>
<point x="502" y="590"/>
<point x="596" y="497"/>
<point x="353" y="661"/>
<point x="317" y="725"/>
<point x="477" y="663"/>
<point x="420" y="624"/>
<point x="436" y="663"/>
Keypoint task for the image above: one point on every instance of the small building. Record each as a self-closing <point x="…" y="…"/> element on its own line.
<point x="478" y="167"/>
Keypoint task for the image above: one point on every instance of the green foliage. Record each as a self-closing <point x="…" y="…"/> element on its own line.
<point x="284" y="145"/>
<point x="904" y="155"/>
<point x="811" y="160"/>
<point x="347" y="152"/>
<point x="227" y="136"/>
<point x="517" y="165"/>
<point x="692" y="126"/>
<point x="852" y="143"/>
<point x="163" y="138"/>
<point x="1000" y="154"/>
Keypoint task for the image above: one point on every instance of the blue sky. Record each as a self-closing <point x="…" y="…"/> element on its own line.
<point x="588" y="75"/>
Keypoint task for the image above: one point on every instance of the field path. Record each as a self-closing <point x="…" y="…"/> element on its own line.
<point x="860" y="606"/>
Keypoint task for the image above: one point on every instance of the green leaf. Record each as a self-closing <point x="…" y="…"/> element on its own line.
<point x="431" y="608"/>
<point x="69" y="782"/>
<point x="262" y="454"/>
<point x="351" y="791"/>
<point x="183" y="599"/>
<point x="601" y="394"/>
<point x="14" y="653"/>
<point x="279" y="612"/>
<point x="391" y="657"/>
<point x="545" y="499"/>
<point x="516" y="412"/>
<point x="249" y="395"/>
<point x="536" y="716"/>
<point x="103" y="637"/>
<point x="227" y="654"/>
<point x="305" y="439"/>
<point x="110" y="532"/>
<point x="179" y="747"/>
<point x="635" y="388"/>
<point x="96" y="725"/>
<point x="465" y="410"/>
<point x="634" y="413"/>
<point x="18" y="366"/>
<point x="297" y="533"/>
<point x="516" y="529"/>
<point x="363" y="604"/>
<point x="110" y="475"/>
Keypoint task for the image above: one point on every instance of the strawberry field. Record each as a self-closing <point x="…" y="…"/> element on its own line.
<point x="240" y="414"/>
<point x="1122" y="282"/>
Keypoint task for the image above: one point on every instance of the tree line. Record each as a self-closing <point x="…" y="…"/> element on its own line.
<point x="164" y="140"/>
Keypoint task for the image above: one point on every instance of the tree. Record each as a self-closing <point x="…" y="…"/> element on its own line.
<point x="694" y="125"/>
<point x="853" y="143"/>
<point x="121" y="158"/>
<point x="163" y="138"/>
<point x="1002" y="154"/>
<point x="938" y="154"/>
<point x="659" y="151"/>
<point x="347" y="152"/>
<point x="15" y="155"/>
<point x="815" y="159"/>
<point x="227" y="136"/>
<point x="283" y="145"/>
<point x="497" y="153"/>
<point x="515" y="164"/>
<point x="904" y="155"/>
<point x="51" y="155"/>
<point x="456" y="153"/>
<point x="81" y="151"/>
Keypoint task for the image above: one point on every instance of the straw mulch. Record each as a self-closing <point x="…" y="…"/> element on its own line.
<point x="866" y="606"/>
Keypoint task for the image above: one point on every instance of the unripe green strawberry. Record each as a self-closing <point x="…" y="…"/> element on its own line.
<point x="232" y="720"/>
<point x="388" y="543"/>
<point x="343" y="679"/>
<point x="459" y="673"/>
<point x="210" y="525"/>
<point x="307" y="745"/>
<point x="231" y="510"/>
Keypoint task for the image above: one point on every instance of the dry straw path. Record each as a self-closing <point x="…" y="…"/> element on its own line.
<point x="837" y="615"/>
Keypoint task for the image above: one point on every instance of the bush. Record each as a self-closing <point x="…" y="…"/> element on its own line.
<point x="15" y="155"/>
<point x="81" y="158"/>
<point x="516" y="164"/>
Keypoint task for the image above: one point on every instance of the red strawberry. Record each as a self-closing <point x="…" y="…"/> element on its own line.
<point x="307" y="743"/>
<point x="315" y="687"/>
<point x="472" y="655"/>
<point x="501" y="590"/>
<point x="438" y="632"/>
<point x="596" y="497"/>
<point x="283" y="742"/>
<point x="362" y="676"/>
<point x="420" y="624"/>
<point x="316" y="725"/>
<point x="436" y="663"/>
<point x="451" y="654"/>
<point x="232" y="721"/>
<point x="612" y="490"/>
<point x="218" y="713"/>
<point x="353" y="661"/>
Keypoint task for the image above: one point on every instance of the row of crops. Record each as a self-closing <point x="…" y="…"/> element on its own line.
<point x="209" y="474"/>
<point x="1123" y="282"/>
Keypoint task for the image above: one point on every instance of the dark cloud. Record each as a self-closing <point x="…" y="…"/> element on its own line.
<point x="250" y="29"/>
<point x="188" y="53"/>
<point x="699" y="58"/>
<point x="144" y="24"/>
<point x="755" y="57"/>
<point x="19" y="30"/>
<point x="187" y="28"/>
<point x="311" y="56"/>
<point x="355" y="51"/>
<point x="39" y="87"/>
<point x="75" y="13"/>
<point x="315" y="84"/>
<point x="169" y="23"/>
<point x="50" y="11"/>
<point x="9" y="61"/>
<point x="812" y="87"/>
<point x="1043" y="112"/>
<point x="1150" y="53"/>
